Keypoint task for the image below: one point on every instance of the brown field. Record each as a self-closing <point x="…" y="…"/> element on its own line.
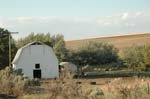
<point x="118" y="41"/>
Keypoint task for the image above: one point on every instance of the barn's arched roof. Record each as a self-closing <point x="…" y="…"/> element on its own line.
<point x="19" y="52"/>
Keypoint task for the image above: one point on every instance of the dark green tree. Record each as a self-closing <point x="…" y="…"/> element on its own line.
<point x="4" y="48"/>
<point x="59" y="48"/>
<point x="94" y="53"/>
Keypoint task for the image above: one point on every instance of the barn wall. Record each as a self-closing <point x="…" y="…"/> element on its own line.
<point x="38" y="54"/>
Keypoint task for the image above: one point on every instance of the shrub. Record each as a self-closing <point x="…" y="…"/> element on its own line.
<point x="12" y="84"/>
<point x="123" y="89"/>
<point x="64" y="87"/>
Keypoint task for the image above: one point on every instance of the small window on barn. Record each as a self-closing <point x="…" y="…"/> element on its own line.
<point x="36" y="43"/>
<point x="37" y="66"/>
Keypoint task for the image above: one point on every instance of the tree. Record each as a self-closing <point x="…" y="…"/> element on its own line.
<point x="94" y="53"/>
<point x="146" y="54"/>
<point x="137" y="57"/>
<point x="146" y="57"/>
<point x="45" y="38"/>
<point x="59" y="48"/>
<point x="4" y="48"/>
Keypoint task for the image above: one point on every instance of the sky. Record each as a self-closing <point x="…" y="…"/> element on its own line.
<point x="75" y="19"/>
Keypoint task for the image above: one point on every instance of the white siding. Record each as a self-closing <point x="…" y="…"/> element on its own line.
<point x="38" y="54"/>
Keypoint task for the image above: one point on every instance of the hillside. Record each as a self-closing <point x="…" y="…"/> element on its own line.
<point x="118" y="41"/>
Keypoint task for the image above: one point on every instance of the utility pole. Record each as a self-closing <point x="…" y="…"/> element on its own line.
<point x="10" y="46"/>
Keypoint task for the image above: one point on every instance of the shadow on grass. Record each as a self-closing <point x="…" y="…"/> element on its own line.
<point x="93" y="75"/>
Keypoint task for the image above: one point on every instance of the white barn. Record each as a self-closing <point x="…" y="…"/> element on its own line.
<point x="36" y="60"/>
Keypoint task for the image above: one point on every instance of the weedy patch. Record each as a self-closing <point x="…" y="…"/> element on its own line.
<point x="123" y="89"/>
<point x="14" y="85"/>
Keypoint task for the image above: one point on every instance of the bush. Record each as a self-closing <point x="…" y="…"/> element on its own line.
<point x="122" y="89"/>
<point x="64" y="87"/>
<point x="12" y="84"/>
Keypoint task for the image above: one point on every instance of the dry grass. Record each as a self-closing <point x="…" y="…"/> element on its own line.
<point x="11" y="84"/>
<point x="119" y="88"/>
<point x="63" y="88"/>
<point x="118" y="41"/>
<point x="106" y="88"/>
<point x="66" y="87"/>
<point x="123" y="89"/>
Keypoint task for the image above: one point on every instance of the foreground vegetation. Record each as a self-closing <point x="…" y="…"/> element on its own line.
<point x="66" y="87"/>
<point x="118" y="88"/>
<point x="14" y="84"/>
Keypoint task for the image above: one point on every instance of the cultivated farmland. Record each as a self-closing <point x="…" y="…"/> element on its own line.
<point x="118" y="41"/>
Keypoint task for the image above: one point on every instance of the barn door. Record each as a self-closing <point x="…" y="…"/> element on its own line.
<point x="37" y="73"/>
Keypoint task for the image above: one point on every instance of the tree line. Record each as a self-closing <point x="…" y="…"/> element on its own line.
<point x="137" y="58"/>
<point x="92" y="53"/>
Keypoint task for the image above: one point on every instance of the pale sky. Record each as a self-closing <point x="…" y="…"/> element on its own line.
<point x="75" y="19"/>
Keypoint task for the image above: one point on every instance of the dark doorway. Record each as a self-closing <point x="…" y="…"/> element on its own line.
<point x="37" y="73"/>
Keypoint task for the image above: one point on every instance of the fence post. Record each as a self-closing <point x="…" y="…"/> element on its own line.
<point x="148" y="88"/>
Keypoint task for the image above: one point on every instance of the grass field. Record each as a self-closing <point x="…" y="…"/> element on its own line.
<point x="118" y="41"/>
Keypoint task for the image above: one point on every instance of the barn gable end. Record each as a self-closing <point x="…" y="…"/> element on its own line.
<point x="35" y="53"/>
